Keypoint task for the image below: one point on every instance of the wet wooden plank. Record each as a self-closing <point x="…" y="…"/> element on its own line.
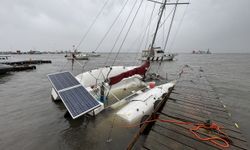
<point x="194" y="118"/>
<point x="175" y="105"/>
<point x="200" y="107"/>
<point x="160" y="141"/>
<point x="182" y="137"/>
<point x="198" y="101"/>
<point x="213" y="100"/>
<point x="184" y="131"/>
<point x="152" y="144"/>
<point x="199" y="113"/>
<point x="193" y="99"/>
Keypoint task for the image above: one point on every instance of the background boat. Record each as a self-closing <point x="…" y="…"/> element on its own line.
<point x="159" y="55"/>
<point x="80" y="56"/>
<point x="93" y="54"/>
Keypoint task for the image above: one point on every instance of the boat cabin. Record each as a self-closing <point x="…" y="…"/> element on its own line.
<point x="158" y="52"/>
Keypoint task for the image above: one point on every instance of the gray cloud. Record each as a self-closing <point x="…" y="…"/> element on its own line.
<point x="222" y="26"/>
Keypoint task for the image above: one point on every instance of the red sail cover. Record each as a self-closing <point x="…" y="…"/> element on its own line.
<point x="139" y="70"/>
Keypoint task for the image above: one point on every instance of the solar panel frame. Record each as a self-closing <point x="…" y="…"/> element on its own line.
<point x="66" y="89"/>
<point x="58" y="83"/>
<point x="73" y="114"/>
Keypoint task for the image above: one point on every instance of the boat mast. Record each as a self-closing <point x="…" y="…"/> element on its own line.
<point x="163" y="6"/>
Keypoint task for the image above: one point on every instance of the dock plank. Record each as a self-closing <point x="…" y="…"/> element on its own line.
<point x="237" y="142"/>
<point x="160" y="139"/>
<point x="193" y="99"/>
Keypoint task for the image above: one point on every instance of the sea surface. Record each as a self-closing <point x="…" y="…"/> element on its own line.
<point x="30" y="120"/>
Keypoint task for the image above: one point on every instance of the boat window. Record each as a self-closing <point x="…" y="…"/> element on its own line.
<point x="145" y="53"/>
<point x="159" y="51"/>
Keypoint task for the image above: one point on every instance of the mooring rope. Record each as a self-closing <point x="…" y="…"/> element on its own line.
<point x="221" y="140"/>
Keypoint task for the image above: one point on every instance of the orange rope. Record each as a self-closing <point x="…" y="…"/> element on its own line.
<point x="213" y="140"/>
<point x="196" y="126"/>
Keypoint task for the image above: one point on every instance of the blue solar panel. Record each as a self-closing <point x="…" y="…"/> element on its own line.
<point x="75" y="97"/>
<point x="62" y="80"/>
<point x="78" y="101"/>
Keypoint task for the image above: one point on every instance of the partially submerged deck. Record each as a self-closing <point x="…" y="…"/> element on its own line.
<point x="194" y="100"/>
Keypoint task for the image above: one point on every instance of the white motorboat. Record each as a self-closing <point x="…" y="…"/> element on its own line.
<point x="157" y="54"/>
<point x="93" y="54"/>
<point x="4" y="58"/>
<point x="80" y="56"/>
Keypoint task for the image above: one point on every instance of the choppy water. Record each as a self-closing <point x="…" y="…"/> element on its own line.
<point x="30" y="120"/>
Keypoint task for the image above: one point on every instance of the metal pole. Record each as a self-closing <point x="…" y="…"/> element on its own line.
<point x="171" y="23"/>
<point x="163" y="6"/>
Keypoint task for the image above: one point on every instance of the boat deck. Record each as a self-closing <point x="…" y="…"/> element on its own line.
<point x="192" y="100"/>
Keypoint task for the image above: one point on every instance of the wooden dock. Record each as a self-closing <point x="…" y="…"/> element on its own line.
<point x="8" y="68"/>
<point x="20" y="65"/>
<point x="192" y="100"/>
<point x="27" y="62"/>
<point x="23" y="67"/>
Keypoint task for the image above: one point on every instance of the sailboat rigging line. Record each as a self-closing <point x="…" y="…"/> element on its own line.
<point x="178" y="27"/>
<point x="111" y="129"/>
<point x="79" y="63"/>
<point x="171" y="23"/>
<point x="63" y="66"/>
<point x="105" y="64"/>
<point x="162" y="25"/>
<point x="163" y="22"/>
<point x="109" y="54"/>
<point x="144" y="37"/>
<point x="163" y="29"/>
<point x="150" y="21"/>
<point x="117" y="17"/>
<point x="141" y="29"/>
<point x="131" y="10"/>
<point x="92" y="24"/>
<point x="162" y="8"/>
<point x="146" y="32"/>
<point x="105" y="35"/>
<point x="124" y="39"/>
<point x="125" y="36"/>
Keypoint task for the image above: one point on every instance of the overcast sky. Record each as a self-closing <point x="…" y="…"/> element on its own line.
<point x="220" y="25"/>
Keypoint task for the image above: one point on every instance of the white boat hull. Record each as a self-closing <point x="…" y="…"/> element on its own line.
<point x="97" y="76"/>
<point x="157" y="54"/>
<point x="159" y="58"/>
<point x="143" y="104"/>
<point x="137" y="106"/>
<point x="80" y="56"/>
